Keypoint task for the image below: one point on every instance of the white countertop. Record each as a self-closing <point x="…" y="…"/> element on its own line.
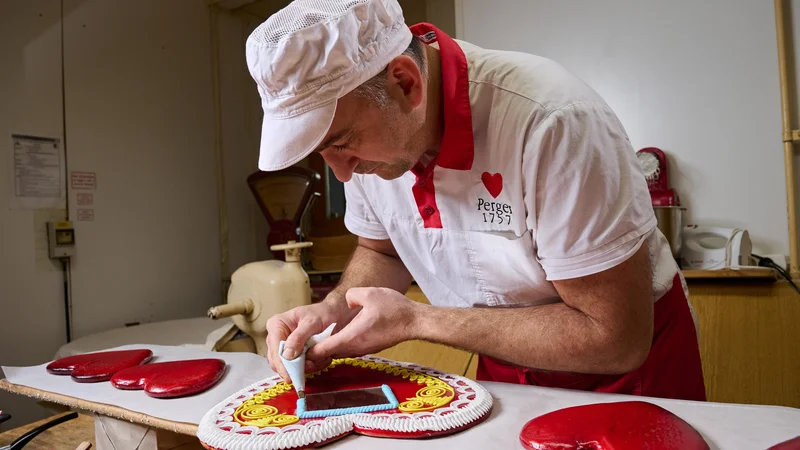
<point x="724" y="426"/>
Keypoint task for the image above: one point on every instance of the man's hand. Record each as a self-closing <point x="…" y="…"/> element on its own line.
<point x="386" y="318"/>
<point x="296" y="326"/>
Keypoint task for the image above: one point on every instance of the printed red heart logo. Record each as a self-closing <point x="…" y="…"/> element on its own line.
<point x="611" y="426"/>
<point x="172" y="378"/>
<point x="493" y="183"/>
<point x="98" y="366"/>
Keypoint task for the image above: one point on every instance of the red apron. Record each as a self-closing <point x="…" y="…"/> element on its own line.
<point x="671" y="370"/>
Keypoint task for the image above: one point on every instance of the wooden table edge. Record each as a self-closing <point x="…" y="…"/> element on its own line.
<point x="100" y="408"/>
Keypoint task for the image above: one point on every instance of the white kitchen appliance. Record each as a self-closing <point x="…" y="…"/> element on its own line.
<point x="714" y="248"/>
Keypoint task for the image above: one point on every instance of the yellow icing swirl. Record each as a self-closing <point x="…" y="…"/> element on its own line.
<point x="435" y="393"/>
<point x="262" y="416"/>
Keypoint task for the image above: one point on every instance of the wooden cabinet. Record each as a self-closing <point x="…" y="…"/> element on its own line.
<point x="749" y="341"/>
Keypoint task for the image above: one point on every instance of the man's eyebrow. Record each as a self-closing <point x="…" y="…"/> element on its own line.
<point x="336" y="137"/>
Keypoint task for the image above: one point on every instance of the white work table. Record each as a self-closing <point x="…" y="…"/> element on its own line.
<point x="724" y="426"/>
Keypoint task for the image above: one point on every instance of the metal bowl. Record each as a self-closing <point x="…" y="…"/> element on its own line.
<point x="670" y="222"/>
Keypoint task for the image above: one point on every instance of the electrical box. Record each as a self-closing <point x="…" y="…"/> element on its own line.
<point x="60" y="239"/>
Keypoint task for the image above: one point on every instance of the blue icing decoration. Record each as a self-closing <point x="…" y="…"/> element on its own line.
<point x="387" y="391"/>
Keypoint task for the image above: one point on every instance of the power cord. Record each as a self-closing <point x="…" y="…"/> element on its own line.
<point x="767" y="262"/>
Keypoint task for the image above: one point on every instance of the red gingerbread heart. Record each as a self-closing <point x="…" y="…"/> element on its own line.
<point x="171" y="379"/>
<point x="493" y="183"/>
<point x="791" y="444"/>
<point x="98" y="366"/>
<point x="631" y="425"/>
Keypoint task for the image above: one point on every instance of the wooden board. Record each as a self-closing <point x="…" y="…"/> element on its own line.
<point x="764" y="273"/>
<point x="472" y="369"/>
<point x="68" y="435"/>
<point x="100" y="408"/>
<point x="437" y="356"/>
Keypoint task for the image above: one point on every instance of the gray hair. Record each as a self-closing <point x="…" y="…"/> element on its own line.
<point x="374" y="89"/>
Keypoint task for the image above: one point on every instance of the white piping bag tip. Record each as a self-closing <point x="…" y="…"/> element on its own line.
<point x="296" y="367"/>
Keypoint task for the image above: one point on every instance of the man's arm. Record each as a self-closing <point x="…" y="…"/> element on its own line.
<point x="603" y="326"/>
<point x="374" y="263"/>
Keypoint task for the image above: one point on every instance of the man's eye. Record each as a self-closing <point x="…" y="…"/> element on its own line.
<point x="340" y="147"/>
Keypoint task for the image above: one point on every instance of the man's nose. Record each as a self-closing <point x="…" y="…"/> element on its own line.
<point x="342" y="165"/>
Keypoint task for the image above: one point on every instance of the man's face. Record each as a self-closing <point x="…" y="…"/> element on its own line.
<point x="384" y="140"/>
<point x="372" y="140"/>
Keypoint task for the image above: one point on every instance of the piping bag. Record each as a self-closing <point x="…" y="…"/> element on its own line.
<point x="296" y="368"/>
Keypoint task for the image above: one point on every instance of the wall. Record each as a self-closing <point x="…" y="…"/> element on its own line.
<point x="139" y="113"/>
<point x="241" y="125"/>
<point x="682" y="76"/>
<point x="30" y="290"/>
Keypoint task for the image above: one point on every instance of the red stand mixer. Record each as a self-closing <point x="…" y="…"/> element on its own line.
<point x="654" y="165"/>
<point x="666" y="202"/>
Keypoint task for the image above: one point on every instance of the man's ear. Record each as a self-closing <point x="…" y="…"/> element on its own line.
<point x="405" y="82"/>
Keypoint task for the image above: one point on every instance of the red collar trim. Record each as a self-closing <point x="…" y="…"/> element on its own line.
<point x="457" y="150"/>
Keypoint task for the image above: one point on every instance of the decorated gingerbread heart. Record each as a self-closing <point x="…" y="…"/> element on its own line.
<point x="368" y="395"/>
<point x="171" y="379"/>
<point x="631" y="425"/>
<point x="98" y="366"/>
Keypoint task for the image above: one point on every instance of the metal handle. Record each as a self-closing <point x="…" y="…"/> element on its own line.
<point x="27" y="437"/>
<point x="244" y="308"/>
<point x="291" y="245"/>
<point x="304" y="225"/>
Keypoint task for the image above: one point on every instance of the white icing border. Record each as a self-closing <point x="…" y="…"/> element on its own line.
<point x="460" y="412"/>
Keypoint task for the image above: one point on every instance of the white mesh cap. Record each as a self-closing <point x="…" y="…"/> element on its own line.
<point x="307" y="56"/>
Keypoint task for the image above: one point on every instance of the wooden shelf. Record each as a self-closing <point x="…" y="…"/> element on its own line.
<point x="762" y="274"/>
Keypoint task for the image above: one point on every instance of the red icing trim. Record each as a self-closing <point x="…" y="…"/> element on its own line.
<point x="631" y="425"/>
<point x="171" y="379"/>
<point x="98" y="366"/>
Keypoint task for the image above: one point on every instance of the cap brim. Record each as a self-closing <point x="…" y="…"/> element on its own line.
<point x="287" y="141"/>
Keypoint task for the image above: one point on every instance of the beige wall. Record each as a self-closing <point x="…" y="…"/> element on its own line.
<point x="139" y="114"/>
<point x="438" y="12"/>
<point x="32" y="319"/>
<point x="700" y="85"/>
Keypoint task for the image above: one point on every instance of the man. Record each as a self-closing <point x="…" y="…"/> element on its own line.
<point x="502" y="184"/>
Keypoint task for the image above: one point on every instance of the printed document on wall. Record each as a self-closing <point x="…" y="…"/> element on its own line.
<point x="39" y="173"/>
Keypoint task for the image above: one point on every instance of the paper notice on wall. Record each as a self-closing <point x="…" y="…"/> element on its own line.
<point x="86" y="215"/>
<point x="38" y="173"/>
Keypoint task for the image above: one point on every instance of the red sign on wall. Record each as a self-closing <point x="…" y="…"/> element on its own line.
<point x="84" y="180"/>
<point x="85" y="199"/>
